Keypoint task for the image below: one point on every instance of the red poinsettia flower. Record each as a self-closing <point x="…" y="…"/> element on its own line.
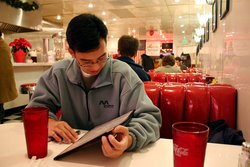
<point x="20" y="43"/>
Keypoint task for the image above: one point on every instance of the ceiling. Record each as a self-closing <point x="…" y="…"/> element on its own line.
<point x="138" y="15"/>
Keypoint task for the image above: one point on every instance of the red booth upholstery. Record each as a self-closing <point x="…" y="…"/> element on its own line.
<point x="197" y="104"/>
<point x="171" y="77"/>
<point x="171" y="105"/>
<point x="182" y="78"/>
<point x="153" y="92"/>
<point x="151" y="73"/>
<point x="159" y="77"/>
<point x="193" y="102"/>
<point x="193" y="78"/>
<point x="177" y="77"/>
<point x="223" y="104"/>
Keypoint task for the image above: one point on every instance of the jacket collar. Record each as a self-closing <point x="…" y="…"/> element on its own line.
<point x="128" y="60"/>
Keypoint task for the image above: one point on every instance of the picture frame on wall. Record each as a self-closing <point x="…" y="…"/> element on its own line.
<point x="206" y="31"/>
<point x="224" y="8"/>
<point x="197" y="49"/>
<point x="214" y="15"/>
<point x="201" y="42"/>
<point x="204" y="36"/>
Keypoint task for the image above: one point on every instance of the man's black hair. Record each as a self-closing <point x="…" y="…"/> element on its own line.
<point x="85" y="31"/>
<point x="0" y="33"/>
<point x="178" y="59"/>
<point x="128" y="45"/>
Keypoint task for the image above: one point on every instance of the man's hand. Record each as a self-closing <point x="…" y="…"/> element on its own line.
<point x="114" y="147"/>
<point x="61" y="131"/>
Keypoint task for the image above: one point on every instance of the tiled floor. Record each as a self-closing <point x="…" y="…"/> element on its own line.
<point x="17" y="117"/>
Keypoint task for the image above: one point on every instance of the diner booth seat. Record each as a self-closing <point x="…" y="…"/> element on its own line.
<point x="177" y="77"/>
<point x="171" y="77"/>
<point x="182" y="78"/>
<point x="197" y="104"/>
<point x="193" y="102"/>
<point x="158" y="77"/>
<point x="171" y="105"/>
<point x="153" y="92"/>
<point x="223" y="104"/>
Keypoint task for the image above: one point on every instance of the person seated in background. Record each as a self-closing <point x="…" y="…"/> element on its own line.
<point x="168" y="63"/>
<point x="147" y="62"/>
<point x="92" y="88"/>
<point x="7" y="79"/>
<point x="128" y="47"/>
<point x="178" y="63"/>
<point x="186" y="59"/>
<point x="160" y="60"/>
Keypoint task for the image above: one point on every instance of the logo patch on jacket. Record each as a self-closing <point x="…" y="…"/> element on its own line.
<point x="105" y="104"/>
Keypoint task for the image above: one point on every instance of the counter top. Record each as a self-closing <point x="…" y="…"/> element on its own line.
<point x="31" y="64"/>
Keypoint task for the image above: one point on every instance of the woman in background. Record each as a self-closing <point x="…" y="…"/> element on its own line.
<point x="168" y="63"/>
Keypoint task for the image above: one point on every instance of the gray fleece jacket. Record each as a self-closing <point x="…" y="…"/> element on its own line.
<point x="116" y="91"/>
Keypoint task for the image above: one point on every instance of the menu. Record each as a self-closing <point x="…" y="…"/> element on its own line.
<point x="95" y="133"/>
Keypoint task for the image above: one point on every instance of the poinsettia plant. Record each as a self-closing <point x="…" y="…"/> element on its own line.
<point x="20" y="43"/>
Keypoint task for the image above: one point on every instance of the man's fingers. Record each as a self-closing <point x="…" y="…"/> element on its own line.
<point x="62" y="132"/>
<point x="109" y="151"/>
<point x="106" y="145"/>
<point x="71" y="132"/>
<point x="56" y="137"/>
<point x="104" y="150"/>
<point x="120" y="129"/>
<point x="114" y="143"/>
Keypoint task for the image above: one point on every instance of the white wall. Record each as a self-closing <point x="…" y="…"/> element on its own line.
<point x="227" y="57"/>
<point x="112" y="45"/>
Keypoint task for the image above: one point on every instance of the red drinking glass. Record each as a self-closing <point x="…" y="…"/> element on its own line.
<point x="189" y="143"/>
<point x="35" y="120"/>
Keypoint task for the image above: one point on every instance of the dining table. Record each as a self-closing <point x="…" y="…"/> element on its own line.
<point x="13" y="153"/>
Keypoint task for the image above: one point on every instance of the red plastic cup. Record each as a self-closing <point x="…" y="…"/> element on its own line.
<point x="189" y="141"/>
<point x="35" y="120"/>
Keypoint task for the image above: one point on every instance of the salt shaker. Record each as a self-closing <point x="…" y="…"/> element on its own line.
<point x="244" y="157"/>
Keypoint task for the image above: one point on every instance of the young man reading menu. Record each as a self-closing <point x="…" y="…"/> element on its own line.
<point x="92" y="89"/>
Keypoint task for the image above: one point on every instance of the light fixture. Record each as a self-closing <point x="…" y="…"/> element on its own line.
<point x="103" y="13"/>
<point x="202" y="18"/>
<point x="199" y="31"/>
<point x="160" y="33"/>
<point x="58" y="17"/>
<point x="90" y="5"/>
<point x="210" y="2"/>
<point x="197" y="38"/>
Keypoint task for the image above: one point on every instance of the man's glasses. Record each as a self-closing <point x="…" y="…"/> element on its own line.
<point x="99" y="61"/>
